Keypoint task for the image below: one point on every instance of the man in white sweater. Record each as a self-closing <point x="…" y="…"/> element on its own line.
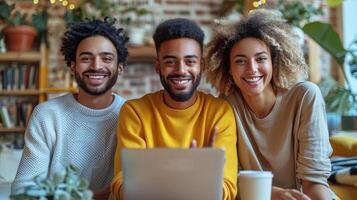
<point x="79" y="128"/>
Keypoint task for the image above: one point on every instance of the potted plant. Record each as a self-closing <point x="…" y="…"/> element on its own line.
<point x="65" y="185"/>
<point x="18" y="33"/>
<point x="136" y="19"/>
<point x="339" y="98"/>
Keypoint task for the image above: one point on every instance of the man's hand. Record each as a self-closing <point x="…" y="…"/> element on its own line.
<point x="211" y="140"/>
<point x="287" y="194"/>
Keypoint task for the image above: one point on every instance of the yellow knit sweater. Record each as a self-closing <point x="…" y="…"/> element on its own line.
<point x="148" y="123"/>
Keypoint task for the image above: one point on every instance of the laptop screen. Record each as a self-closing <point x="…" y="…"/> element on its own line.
<point x="168" y="173"/>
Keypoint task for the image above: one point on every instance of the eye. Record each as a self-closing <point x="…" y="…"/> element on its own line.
<point x="240" y="61"/>
<point x="190" y="62"/>
<point x="85" y="59"/>
<point x="107" y="59"/>
<point x="169" y="62"/>
<point x="261" y="59"/>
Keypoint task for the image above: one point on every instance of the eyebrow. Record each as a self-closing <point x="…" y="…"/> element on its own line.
<point x="101" y="53"/>
<point x="187" y="56"/>
<point x="257" y="54"/>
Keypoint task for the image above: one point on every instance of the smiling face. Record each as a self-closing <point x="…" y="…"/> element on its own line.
<point x="179" y="67"/>
<point x="96" y="68"/>
<point x="251" y="67"/>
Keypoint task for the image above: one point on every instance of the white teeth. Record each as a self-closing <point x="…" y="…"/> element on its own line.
<point x="180" y="81"/>
<point x="96" y="76"/>
<point x="253" y="79"/>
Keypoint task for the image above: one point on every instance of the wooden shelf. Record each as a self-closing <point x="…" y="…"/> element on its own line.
<point x="27" y="92"/>
<point x="13" y="130"/>
<point x="142" y="54"/>
<point x="30" y="56"/>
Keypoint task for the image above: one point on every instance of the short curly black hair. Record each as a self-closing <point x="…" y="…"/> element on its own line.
<point x="178" y="28"/>
<point x="92" y="27"/>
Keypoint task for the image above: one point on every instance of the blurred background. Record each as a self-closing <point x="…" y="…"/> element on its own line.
<point x="33" y="70"/>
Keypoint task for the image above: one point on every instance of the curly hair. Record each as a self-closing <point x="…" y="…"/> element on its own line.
<point x="93" y="27"/>
<point x="267" y="26"/>
<point x="178" y="28"/>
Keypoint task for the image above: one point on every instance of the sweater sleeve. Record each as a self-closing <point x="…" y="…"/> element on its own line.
<point x="128" y="135"/>
<point x="226" y="138"/>
<point x="314" y="149"/>
<point x="36" y="154"/>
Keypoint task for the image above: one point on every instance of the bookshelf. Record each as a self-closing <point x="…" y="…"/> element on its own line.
<point x="23" y="80"/>
<point x="40" y="91"/>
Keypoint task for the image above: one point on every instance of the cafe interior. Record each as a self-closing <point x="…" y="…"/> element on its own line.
<point x="330" y="52"/>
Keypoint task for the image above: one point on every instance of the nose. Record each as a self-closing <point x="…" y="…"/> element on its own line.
<point x="96" y="63"/>
<point x="253" y="66"/>
<point x="181" y="67"/>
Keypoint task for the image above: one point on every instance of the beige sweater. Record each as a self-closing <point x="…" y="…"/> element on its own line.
<point x="292" y="141"/>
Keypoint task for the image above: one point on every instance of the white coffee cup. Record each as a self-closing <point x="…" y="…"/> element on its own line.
<point x="254" y="185"/>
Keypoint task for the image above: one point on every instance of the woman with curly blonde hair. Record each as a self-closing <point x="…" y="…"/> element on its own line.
<point x="256" y="65"/>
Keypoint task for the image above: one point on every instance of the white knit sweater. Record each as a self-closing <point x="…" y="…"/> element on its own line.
<point x="62" y="131"/>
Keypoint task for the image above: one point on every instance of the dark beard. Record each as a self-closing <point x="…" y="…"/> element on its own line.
<point x="181" y="97"/>
<point x="96" y="91"/>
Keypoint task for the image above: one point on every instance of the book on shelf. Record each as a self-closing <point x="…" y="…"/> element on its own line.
<point x="15" y="114"/>
<point x="18" y="76"/>
<point x="5" y="117"/>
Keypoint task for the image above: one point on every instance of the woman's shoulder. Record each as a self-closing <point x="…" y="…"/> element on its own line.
<point x="304" y="88"/>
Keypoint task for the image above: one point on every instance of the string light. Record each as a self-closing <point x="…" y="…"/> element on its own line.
<point x="71" y="6"/>
<point x="256" y="4"/>
<point x="65" y="3"/>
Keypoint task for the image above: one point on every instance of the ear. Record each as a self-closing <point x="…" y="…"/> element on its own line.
<point x="120" y="68"/>
<point x="73" y="67"/>
<point x="157" y="66"/>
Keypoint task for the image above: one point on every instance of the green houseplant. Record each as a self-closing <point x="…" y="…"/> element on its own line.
<point x="65" y="185"/>
<point x="19" y="33"/>
<point x="339" y="99"/>
<point x="18" y="36"/>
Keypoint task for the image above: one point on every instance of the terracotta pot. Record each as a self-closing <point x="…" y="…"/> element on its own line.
<point x="19" y="38"/>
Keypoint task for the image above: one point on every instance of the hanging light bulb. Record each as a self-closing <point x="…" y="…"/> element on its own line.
<point x="256" y="4"/>
<point x="71" y="6"/>
<point x="64" y="2"/>
<point x="52" y="1"/>
<point x="35" y="1"/>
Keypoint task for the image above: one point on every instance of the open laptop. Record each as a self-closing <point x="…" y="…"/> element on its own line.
<point x="173" y="174"/>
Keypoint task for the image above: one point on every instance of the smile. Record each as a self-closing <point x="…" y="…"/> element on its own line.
<point x="95" y="76"/>
<point x="179" y="82"/>
<point x="253" y="79"/>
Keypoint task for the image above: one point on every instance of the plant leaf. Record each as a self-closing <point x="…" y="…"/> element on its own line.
<point x="324" y="35"/>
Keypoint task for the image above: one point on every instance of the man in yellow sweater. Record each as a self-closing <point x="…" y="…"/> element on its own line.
<point x="179" y="115"/>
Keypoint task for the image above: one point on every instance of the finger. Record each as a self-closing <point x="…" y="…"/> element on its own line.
<point x="212" y="137"/>
<point x="288" y="196"/>
<point x="193" y="144"/>
<point x="299" y="195"/>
